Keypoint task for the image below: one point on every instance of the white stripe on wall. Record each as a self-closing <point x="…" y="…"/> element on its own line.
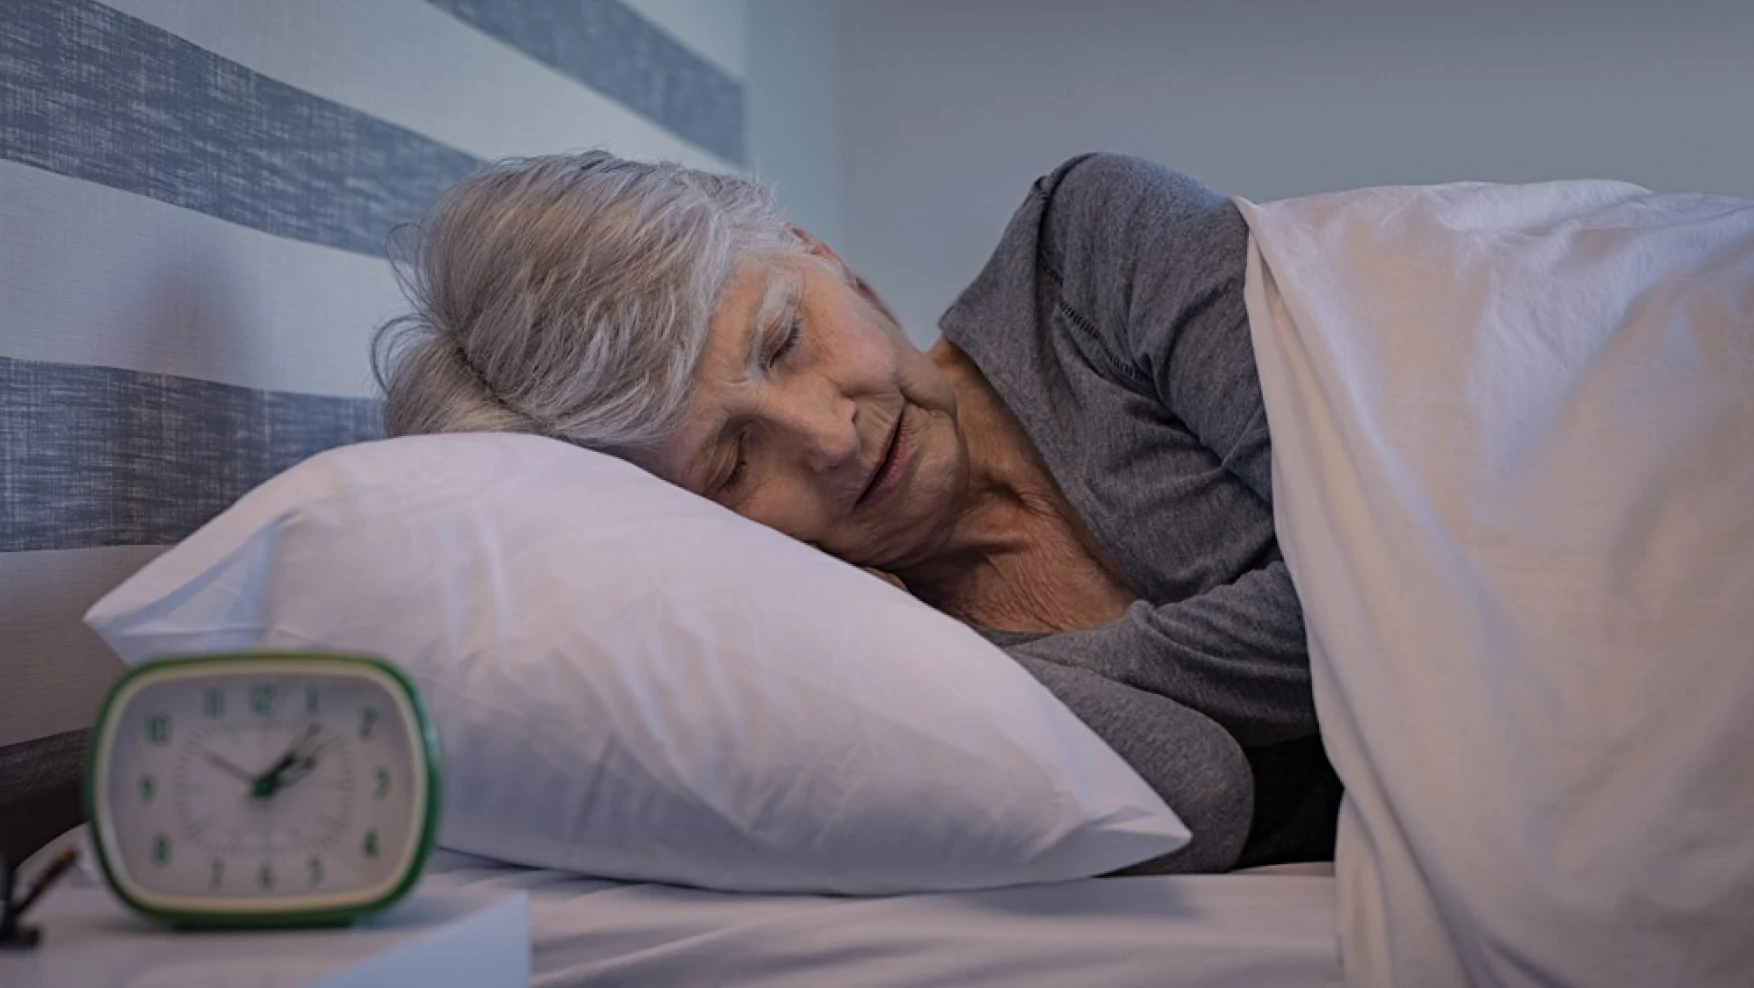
<point x="57" y="669"/>
<point x="714" y="29"/>
<point x="412" y="64"/>
<point x="168" y="290"/>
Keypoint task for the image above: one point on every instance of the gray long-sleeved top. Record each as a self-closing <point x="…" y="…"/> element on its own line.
<point x="1110" y="318"/>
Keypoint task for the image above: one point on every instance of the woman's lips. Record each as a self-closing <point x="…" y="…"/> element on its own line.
<point x="888" y="474"/>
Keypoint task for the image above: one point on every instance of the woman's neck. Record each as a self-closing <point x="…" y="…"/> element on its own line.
<point x="1009" y="486"/>
<point x="1017" y="555"/>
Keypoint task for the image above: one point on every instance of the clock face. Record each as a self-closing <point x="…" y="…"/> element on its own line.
<point x="261" y="785"/>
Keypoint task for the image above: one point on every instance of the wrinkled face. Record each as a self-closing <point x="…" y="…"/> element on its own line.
<point x="813" y="414"/>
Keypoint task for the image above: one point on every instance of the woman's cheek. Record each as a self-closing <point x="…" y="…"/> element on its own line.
<point x="792" y="515"/>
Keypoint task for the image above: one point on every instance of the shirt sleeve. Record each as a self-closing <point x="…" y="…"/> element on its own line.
<point x="1145" y="268"/>
<point x="1189" y="761"/>
<point x="1235" y="654"/>
<point x="1149" y="266"/>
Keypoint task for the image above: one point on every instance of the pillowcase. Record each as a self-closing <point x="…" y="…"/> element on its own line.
<point x="633" y="682"/>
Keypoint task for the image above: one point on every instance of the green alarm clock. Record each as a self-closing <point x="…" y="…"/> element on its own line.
<point x="263" y="789"/>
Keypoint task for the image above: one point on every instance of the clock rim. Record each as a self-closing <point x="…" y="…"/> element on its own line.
<point x="310" y="910"/>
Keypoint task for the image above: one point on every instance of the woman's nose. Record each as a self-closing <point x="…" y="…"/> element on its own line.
<point x="826" y="430"/>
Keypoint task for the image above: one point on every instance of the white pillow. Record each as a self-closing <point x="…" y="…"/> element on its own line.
<point x="632" y="682"/>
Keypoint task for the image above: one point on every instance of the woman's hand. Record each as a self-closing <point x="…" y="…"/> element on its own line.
<point x="889" y="578"/>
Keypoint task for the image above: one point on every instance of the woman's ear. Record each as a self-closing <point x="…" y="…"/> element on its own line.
<point x="820" y="249"/>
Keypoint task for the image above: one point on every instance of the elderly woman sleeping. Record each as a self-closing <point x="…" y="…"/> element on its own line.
<point x="1079" y="468"/>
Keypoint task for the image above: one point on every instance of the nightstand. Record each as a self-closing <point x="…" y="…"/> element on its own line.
<point x="431" y="939"/>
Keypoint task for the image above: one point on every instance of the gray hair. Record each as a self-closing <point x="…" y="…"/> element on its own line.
<point x="567" y="296"/>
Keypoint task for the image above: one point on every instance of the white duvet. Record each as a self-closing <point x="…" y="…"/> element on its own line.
<point x="1513" y="434"/>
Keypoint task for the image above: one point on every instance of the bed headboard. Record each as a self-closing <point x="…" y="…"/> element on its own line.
<point x="194" y="201"/>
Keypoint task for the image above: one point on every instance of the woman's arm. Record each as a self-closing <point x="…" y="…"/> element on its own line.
<point x="1189" y="761"/>
<point x="1135" y="272"/>
<point x="1235" y="653"/>
<point x="1121" y="277"/>
<point x="1148" y="265"/>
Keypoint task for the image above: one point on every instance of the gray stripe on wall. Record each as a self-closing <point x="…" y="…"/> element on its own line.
<point x="608" y="46"/>
<point x="94" y="94"/>
<point x="97" y="456"/>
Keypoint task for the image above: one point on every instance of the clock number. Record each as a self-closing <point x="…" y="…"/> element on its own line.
<point x="371" y="843"/>
<point x="311" y="699"/>
<point x="216" y="873"/>
<point x="368" y="719"/>
<point x="383" y="788"/>
<point x="158" y="729"/>
<point x="161" y="850"/>
<point x="213" y="703"/>
<point x="265" y="877"/>
<point x="148" y="789"/>
<point x="262" y="698"/>
<point x="316" y="866"/>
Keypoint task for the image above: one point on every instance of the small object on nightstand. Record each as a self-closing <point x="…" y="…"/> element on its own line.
<point x="263" y="790"/>
<point x="13" y="934"/>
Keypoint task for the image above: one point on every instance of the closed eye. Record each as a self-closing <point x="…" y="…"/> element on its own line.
<point x="787" y="345"/>
<point x="739" y="470"/>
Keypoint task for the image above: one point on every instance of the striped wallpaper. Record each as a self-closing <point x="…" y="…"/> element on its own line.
<point x="194" y="201"/>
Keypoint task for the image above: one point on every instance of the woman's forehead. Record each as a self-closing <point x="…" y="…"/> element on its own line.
<point x="758" y="290"/>
<point x="759" y="286"/>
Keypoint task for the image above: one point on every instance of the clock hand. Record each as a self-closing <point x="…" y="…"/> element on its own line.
<point x="297" y="771"/>
<point x="223" y="765"/>
<point x="266" y="784"/>
<point x="317" y="741"/>
<point x="307" y="761"/>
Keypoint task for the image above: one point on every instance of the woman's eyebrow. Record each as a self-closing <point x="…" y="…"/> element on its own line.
<point x="778" y="297"/>
<point x="778" y="293"/>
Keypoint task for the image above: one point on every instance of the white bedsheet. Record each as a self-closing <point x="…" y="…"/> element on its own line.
<point x="1513" y="443"/>
<point x="1197" y="931"/>
<point x="1272" y="928"/>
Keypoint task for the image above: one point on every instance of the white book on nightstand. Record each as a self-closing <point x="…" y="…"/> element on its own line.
<point x="430" y="940"/>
